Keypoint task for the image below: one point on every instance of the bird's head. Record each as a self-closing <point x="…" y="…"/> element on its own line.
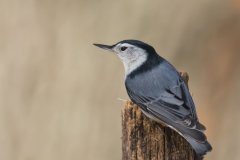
<point x="133" y="53"/>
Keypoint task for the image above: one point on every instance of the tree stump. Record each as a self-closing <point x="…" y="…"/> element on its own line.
<point x="144" y="139"/>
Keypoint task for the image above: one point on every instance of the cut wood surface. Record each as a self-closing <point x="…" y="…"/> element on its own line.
<point x="144" y="139"/>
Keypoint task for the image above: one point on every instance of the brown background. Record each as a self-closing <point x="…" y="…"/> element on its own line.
<point x="58" y="93"/>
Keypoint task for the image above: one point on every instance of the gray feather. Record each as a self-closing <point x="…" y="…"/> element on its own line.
<point x="164" y="95"/>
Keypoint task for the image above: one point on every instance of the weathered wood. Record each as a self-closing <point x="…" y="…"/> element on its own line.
<point x="144" y="139"/>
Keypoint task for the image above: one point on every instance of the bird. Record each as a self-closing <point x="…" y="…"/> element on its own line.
<point x="156" y="86"/>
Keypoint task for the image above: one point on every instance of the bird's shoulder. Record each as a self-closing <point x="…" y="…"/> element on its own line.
<point x="159" y="78"/>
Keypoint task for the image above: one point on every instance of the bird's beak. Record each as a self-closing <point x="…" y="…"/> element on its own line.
<point x="106" y="47"/>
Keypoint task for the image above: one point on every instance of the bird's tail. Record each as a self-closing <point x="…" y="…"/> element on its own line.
<point x="201" y="148"/>
<point x="197" y="139"/>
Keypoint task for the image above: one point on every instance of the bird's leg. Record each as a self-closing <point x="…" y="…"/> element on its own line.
<point x="161" y="128"/>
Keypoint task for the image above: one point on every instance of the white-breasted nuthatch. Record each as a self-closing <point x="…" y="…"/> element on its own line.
<point x="158" y="89"/>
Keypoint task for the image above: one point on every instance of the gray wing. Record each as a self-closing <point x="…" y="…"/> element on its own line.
<point x="163" y="94"/>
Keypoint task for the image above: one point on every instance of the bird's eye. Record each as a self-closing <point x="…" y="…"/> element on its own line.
<point x="123" y="48"/>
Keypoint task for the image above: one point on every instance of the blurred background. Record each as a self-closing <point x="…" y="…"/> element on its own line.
<point x="59" y="94"/>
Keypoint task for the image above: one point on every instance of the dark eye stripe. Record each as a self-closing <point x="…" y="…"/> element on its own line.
<point x="123" y="48"/>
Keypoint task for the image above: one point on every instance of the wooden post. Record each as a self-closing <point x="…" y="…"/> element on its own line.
<point x="144" y="139"/>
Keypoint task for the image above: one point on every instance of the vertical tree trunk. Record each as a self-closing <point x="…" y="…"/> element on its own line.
<point x="144" y="139"/>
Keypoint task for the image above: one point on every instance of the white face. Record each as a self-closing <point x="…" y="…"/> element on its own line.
<point x="131" y="56"/>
